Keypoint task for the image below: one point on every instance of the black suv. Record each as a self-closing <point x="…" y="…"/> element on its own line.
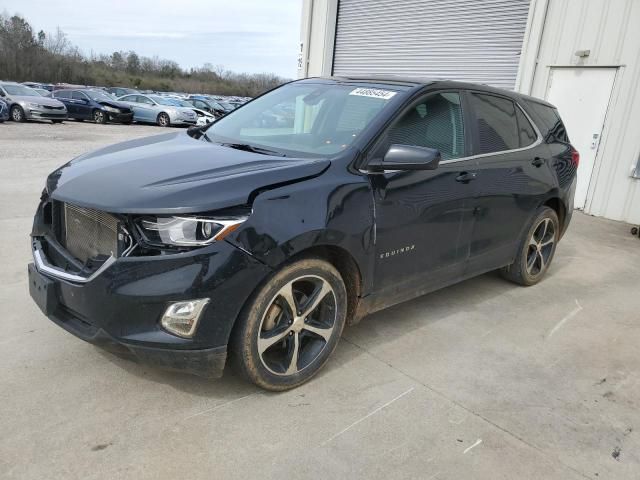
<point x="262" y="239"/>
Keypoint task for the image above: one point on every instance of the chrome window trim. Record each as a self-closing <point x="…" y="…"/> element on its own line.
<point x="502" y="152"/>
<point x="491" y="154"/>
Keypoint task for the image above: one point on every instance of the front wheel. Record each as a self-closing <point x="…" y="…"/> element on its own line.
<point x="99" y="116"/>
<point x="536" y="250"/>
<point x="290" y="327"/>
<point x="164" y="120"/>
<point x="17" y="114"/>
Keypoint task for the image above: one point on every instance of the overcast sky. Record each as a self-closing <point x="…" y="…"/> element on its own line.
<point x="243" y="35"/>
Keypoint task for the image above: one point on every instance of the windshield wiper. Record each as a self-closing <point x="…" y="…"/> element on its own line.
<point x="252" y="148"/>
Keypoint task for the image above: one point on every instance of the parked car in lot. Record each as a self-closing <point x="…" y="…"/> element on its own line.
<point x="204" y="117"/>
<point x="36" y="86"/>
<point x="4" y="111"/>
<point x="159" y="110"/>
<point x="94" y="105"/>
<point x="27" y="104"/>
<point x="211" y="106"/>
<point x="118" y="92"/>
<point x="265" y="240"/>
<point x="42" y="92"/>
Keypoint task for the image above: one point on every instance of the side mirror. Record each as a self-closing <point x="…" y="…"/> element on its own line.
<point x="1" y="93"/>
<point x="406" y="157"/>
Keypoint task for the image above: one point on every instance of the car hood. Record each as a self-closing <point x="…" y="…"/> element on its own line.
<point x="50" y="102"/>
<point x="172" y="173"/>
<point x="114" y="104"/>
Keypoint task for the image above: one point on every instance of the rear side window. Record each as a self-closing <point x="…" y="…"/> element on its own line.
<point x="496" y="123"/>
<point x="525" y="130"/>
<point x="62" y="94"/>
<point x="548" y="121"/>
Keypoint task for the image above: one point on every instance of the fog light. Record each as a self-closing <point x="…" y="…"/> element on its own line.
<point x="181" y="318"/>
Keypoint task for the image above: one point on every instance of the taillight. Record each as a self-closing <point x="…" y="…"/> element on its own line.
<point x="575" y="157"/>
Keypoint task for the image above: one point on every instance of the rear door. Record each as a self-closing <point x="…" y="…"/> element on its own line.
<point x="147" y="108"/>
<point x="82" y="104"/>
<point x="511" y="182"/>
<point x="422" y="217"/>
<point x="132" y="101"/>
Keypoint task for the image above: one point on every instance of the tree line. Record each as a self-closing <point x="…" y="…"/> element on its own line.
<point x="51" y="58"/>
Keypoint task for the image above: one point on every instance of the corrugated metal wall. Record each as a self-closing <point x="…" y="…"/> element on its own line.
<point x="609" y="29"/>
<point x="475" y="41"/>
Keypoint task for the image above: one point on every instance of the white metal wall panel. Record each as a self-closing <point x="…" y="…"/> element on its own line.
<point x="608" y="29"/>
<point x="466" y="40"/>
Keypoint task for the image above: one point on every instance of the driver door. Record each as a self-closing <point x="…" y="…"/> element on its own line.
<point x="423" y="217"/>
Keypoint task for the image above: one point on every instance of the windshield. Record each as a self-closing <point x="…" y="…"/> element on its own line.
<point x="177" y="103"/>
<point x="303" y="118"/>
<point x="162" y="100"/>
<point x="20" y="90"/>
<point x="99" y="96"/>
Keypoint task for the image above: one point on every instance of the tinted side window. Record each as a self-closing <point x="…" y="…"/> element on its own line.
<point x="548" y="121"/>
<point x="525" y="129"/>
<point x="78" y="96"/>
<point x="495" y="119"/>
<point x="436" y="122"/>
<point x="62" y="94"/>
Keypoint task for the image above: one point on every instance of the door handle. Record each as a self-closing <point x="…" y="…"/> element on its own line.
<point x="537" y="162"/>
<point x="466" y="177"/>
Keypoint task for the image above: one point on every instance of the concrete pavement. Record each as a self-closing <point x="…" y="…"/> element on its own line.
<point x="483" y="380"/>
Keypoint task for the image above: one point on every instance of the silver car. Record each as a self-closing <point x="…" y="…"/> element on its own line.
<point x="27" y="104"/>
<point x="160" y="110"/>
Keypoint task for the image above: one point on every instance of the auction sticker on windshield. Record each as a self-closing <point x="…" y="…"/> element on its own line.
<point x="373" y="92"/>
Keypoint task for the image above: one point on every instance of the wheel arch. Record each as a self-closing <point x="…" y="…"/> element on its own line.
<point x="557" y="205"/>
<point x="336" y="256"/>
<point x="345" y="263"/>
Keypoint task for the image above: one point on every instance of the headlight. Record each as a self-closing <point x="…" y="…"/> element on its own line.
<point x="33" y="105"/>
<point x="111" y="109"/>
<point x="187" y="231"/>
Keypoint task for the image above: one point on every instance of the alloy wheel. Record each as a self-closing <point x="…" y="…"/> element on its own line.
<point x="540" y="247"/>
<point x="297" y="326"/>
<point x="16" y="114"/>
<point x="98" y="116"/>
<point x="163" y="120"/>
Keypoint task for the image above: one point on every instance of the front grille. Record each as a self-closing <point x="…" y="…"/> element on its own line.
<point x="89" y="233"/>
<point x="49" y="107"/>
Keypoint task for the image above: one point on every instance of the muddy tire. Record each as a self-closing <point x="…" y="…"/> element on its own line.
<point x="291" y="325"/>
<point x="536" y="249"/>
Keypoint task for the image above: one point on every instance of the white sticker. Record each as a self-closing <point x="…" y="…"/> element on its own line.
<point x="373" y="92"/>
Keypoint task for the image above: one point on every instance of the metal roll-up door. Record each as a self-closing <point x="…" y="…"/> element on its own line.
<point x="466" y="40"/>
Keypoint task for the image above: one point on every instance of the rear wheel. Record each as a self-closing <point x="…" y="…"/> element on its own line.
<point x="290" y="327"/>
<point x="163" y="120"/>
<point x="17" y="114"/>
<point x="536" y="251"/>
<point x="99" y="116"/>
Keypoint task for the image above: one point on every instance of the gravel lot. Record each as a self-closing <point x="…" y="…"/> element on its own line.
<point x="483" y="380"/>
